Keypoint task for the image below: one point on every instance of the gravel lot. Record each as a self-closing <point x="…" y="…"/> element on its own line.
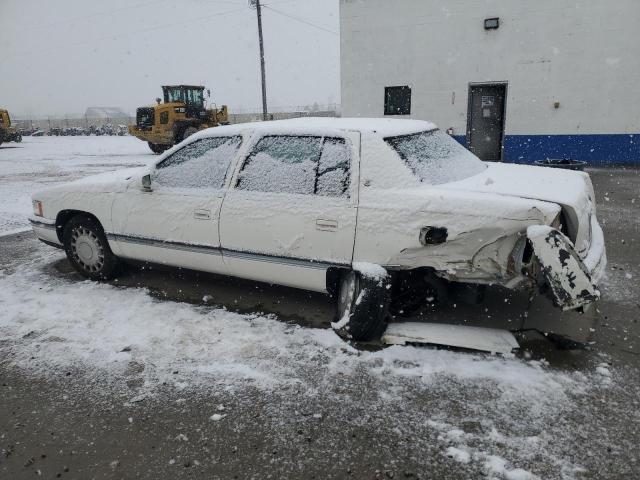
<point x="179" y="375"/>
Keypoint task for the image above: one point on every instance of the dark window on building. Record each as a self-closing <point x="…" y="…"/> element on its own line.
<point x="491" y="23"/>
<point x="164" y="117"/>
<point x="397" y="100"/>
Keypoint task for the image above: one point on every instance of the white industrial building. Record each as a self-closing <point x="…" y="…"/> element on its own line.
<point x="513" y="80"/>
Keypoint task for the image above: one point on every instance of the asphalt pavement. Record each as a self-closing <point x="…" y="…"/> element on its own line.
<point x="73" y="425"/>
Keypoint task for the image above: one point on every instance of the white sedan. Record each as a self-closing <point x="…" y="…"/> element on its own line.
<point x="366" y="210"/>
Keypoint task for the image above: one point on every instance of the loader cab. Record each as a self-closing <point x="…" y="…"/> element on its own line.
<point x="191" y="96"/>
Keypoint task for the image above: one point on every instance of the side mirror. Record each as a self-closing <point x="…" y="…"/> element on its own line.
<point x="146" y="183"/>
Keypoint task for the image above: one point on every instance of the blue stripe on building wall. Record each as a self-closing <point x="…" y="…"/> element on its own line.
<point x="606" y="149"/>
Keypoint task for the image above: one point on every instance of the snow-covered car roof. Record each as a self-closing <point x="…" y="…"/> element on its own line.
<point x="386" y="127"/>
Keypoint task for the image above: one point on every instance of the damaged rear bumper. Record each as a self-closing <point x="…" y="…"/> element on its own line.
<point x="572" y="280"/>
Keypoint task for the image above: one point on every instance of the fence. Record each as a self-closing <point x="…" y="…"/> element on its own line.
<point x="48" y="123"/>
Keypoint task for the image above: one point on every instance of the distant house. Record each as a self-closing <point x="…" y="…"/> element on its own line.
<point x="514" y="81"/>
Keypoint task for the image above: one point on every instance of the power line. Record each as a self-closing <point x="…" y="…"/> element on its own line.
<point x="301" y="20"/>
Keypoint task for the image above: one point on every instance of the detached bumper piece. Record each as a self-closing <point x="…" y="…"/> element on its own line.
<point x="565" y="273"/>
<point x="459" y="336"/>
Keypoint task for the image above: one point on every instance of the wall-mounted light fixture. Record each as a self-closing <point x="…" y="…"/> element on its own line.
<point x="491" y="23"/>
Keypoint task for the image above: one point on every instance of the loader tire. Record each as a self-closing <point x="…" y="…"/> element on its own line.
<point x="187" y="132"/>
<point x="158" y="148"/>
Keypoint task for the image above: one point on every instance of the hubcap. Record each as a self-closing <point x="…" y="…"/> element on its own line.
<point x="347" y="294"/>
<point x="87" y="249"/>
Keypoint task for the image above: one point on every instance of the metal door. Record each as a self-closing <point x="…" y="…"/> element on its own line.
<point x="485" y="120"/>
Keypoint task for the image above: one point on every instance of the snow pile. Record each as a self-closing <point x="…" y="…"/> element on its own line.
<point x="482" y="447"/>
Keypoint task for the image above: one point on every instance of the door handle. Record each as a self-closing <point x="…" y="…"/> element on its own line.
<point x="201" y="214"/>
<point x="326" y="225"/>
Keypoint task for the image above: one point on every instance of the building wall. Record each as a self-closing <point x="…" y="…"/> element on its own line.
<point x="584" y="54"/>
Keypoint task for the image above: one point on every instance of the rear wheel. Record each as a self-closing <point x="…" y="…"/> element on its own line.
<point x="158" y="148"/>
<point x="362" y="307"/>
<point x="88" y="250"/>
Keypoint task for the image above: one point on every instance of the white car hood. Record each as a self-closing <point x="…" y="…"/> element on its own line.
<point x="110" y="181"/>
<point x="102" y="183"/>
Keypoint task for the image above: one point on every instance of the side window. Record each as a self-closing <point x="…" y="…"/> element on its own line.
<point x="201" y="164"/>
<point x="304" y="165"/>
<point x="333" y="171"/>
<point x="284" y="164"/>
<point x="164" y="117"/>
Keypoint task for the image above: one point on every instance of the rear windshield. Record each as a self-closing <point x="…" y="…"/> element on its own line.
<point x="435" y="157"/>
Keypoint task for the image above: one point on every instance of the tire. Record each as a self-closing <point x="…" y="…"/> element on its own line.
<point x="362" y="305"/>
<point x="19" y="138"/>
<point x="187" y="132"/>
<point x="158" y="148"/>
<point x="88" y="250"/>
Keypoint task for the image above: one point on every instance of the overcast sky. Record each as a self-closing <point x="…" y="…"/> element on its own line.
<point x="60" y="57"/>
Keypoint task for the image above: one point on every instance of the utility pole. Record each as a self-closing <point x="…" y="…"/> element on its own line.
<point x="256" y="4"/>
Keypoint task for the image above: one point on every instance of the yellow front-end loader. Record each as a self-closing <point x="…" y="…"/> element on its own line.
<point x="182" y="114"/>
<point x="7" y="132"/>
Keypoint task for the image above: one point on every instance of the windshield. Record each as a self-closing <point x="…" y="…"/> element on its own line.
<point x="435" y="157"/>
<point x="174" y="94"/>
<point x="194" y="96"/>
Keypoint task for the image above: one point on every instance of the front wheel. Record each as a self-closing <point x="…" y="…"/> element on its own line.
<point x="362" y="307"/>
<point x="88" y="250"/>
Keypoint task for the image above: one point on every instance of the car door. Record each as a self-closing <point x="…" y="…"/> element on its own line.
<point x="176" y="222"/>
<point x="290" y="213"/>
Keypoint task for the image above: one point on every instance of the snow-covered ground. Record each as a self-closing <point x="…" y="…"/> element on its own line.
<point x="41" y="161"/>
<point x="504" y="417"/>
<point x="54" y="323"/>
